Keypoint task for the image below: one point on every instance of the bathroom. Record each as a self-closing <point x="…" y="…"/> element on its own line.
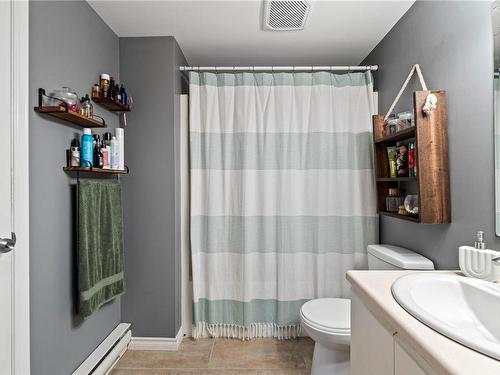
<point x="214" y="197"/>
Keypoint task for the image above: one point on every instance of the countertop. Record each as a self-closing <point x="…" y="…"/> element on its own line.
<point x="442" y="354"/>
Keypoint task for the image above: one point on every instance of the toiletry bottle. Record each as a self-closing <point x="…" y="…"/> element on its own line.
<point x="118" y="97"/>
<point x="123" y="95"/>
<point x="87" y="153"/>
<point x="107" y="139"/>
<point x="96" y="139"/>
<point x="105" y="156"/>
<point x="75" y="153"/>
<point x="94" y="149"/>
<point x="392" y="154"/>
<point x="411" y="160"/>
<point x="114" y="153"/>
<point x="99" y="157"/>
<point x="120" y="138"/>
<point x="402" y="162"/>
<point x="89" y="108"/>
<point x="96" y="91"/>
<point x="82" y="106"/>
<point x="112" y="92"/>
<point x="414" y="161"/>
<point x="104" y="85"/>
<point x="97" y="151"/>
<point x="108" y="149"/>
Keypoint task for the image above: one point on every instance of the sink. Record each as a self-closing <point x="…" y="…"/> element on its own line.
<point x="464" y="309"/>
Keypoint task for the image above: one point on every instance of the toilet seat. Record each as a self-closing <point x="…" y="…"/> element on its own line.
<point x="329" y="315"/>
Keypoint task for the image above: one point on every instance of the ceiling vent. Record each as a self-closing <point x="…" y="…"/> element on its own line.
<point x="285" y="15"/>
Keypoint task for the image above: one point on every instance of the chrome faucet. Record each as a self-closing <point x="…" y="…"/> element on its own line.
<point x="480" y="244"/>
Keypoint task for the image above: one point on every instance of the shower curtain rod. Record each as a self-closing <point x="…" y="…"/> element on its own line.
<point x="306" y="68"/>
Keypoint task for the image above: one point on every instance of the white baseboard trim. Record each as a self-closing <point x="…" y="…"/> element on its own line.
<point x="103" y="358"/>
<point x="157" y="343"/>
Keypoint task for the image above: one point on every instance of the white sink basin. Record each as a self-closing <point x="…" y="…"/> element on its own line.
<point x="464" y="309"/>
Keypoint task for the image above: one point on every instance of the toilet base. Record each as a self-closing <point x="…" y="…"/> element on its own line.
<point x="330" y="362"/>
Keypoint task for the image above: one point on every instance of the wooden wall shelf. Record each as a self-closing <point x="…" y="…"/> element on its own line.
<point x="96" y="170"/>
<point x="75" y="118"/>
<point x="111" y="105"/>
<point x="415" y="219"/>
<point x="397" y="179"/>
<point x="432" y="183"/>
<point x="401" y="135"/>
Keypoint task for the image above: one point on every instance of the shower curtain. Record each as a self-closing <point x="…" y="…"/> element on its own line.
<point x="282" y="196"/>
<point x="496" y="115"/>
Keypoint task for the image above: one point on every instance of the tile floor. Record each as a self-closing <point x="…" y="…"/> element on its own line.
<point x="222" y="357"/>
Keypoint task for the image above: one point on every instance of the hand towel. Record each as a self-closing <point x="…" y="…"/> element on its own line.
<point x="100" y="244"/>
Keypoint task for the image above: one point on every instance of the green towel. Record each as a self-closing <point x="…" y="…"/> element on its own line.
<point x="100" y="244"/>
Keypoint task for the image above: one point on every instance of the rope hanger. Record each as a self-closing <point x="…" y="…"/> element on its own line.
<point x="430" y="101"/>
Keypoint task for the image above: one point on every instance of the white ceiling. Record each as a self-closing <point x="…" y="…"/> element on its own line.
<point x="230" y="32"/>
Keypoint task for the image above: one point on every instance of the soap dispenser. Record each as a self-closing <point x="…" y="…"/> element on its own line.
<point x="477" y="261"/>
<point x="480" y="244"/>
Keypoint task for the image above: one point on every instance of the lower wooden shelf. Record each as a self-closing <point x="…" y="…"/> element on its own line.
<point x="96" y="170"/>
<point x="396" y="179"/>
<point x="414" y="219"/>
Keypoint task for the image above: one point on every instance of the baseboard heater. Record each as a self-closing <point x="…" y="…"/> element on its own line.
<point x="104" y="357"/>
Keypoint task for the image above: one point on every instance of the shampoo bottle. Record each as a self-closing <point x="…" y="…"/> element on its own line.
<point x="121" y="140"/>
<point x="87" y="149"/>
<point x="105" y="156"/>
<point x="115" y="152"/>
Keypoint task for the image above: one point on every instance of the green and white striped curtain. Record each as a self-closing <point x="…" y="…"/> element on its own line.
<point x="282" y="195"/>
<point x="496" y="115"/>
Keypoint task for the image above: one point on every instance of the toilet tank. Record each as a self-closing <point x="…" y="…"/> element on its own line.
<point x="389" y="257"/>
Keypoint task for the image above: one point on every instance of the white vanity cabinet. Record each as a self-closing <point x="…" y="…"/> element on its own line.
<point x="376" y="348"/>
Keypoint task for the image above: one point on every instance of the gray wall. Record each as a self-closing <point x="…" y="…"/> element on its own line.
<point x="69" y="45"/>
<point x="149" y="67"/>
<point x="452" y="41"/>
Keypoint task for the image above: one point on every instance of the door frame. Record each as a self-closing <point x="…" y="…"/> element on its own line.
<point x="20" y="184"/>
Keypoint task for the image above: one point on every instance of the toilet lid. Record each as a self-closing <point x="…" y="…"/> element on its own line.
<point x="330" y="314"/>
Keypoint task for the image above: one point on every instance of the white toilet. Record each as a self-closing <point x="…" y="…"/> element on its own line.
<point x="328" y="320"/>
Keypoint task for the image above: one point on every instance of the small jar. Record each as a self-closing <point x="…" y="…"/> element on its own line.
<point x="391" y="126"/>
<point x="405" y="120"/>
<point x="393" y="200"/>
<point x="411" y="204"/>
<point x="104" y="85"/>
<point x="96" y="91"/>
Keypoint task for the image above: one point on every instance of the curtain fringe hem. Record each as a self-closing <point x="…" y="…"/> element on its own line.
<point x="255" y="330"/>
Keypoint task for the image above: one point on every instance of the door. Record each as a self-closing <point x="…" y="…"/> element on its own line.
<point x="14" y="191"/>
<point x="6" y="259"/>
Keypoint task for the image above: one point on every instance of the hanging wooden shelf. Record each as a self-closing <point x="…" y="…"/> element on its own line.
<point x="65" y="114"/>
<point x="415" y="219"/>
<point x="96" y="170"/>
<point x="112" y="105"/>
<point x="431" y="154"/>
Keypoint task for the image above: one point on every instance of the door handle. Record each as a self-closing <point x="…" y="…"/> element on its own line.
<point x="8" y="244"/>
